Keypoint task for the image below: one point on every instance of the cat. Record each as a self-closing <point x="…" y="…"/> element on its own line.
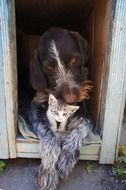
<point x="58" y="112"/>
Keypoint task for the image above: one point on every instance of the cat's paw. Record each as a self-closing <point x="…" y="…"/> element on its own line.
<point x="61" y="130"/>
<point x="54" y="129"/>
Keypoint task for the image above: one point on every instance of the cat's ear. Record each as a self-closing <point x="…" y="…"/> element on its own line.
<point x="73" y="109"/>
<point x="52" y="100"/>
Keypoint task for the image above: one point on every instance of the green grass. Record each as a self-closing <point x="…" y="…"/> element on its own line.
<point x="2" y="165"/>
<point x="89" y="167"/>
<point x="119" y="168"/>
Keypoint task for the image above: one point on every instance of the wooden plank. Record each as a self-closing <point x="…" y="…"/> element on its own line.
<point x="92" y="149"/>
<point x="97" y="72"/>
<point x="35" y="148"/>
<point x="9" y="70"/>
<point x="98" y="35"/>
<point x="28" y="155"/>
<point x="29" y="149"/>
<point x="37" y="155"/>
<point x="88" y="157"/>
<point x="115" y="91"/>
<point x="4" y="150"/>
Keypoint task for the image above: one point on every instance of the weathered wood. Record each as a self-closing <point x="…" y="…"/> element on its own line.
<point x="8" y="77"/>
<point x="4" y="150"/>
<point x="37" y="155"/>
<point x="28" y="147"/>
<point x="115" y="90"/>
<point x="98" y="35"/>
<point x="28" y="155"/>
<point x="93" y="149"/>
<point x="31" y="149"/>
<point x="88" y="157"/>
<point x="97" y="72"/>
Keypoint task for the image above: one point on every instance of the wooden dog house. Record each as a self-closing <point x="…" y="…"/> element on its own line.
<point x="105" y="24"/>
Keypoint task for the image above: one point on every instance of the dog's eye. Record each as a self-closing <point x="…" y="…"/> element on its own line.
<point x="72" y="61"/>
<point x="75" y="61"/>
<point x="50" y="68"/>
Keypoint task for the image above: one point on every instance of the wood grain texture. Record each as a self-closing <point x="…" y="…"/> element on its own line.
<point x="38" y="155"/>
<point x="98" y="38"/>
<point x="115" y="91"/>
<point x="9" y="73"/>
<point x="4" y="150"/>
<point x="29" y="149"/>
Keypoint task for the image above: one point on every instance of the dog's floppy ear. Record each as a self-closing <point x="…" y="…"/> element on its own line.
<point x="37" y="77"/>
<point x="83" y="48"/>
<point x="38" y="80"/>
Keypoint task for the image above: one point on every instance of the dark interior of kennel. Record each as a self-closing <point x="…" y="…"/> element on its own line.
<point x="89" y="17"/>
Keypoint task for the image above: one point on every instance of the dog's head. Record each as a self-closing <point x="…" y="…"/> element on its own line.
<point x="73" y="50"/>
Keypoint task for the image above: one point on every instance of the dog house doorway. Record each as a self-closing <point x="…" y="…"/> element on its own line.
<point x="63" y="15"/>
<point x="94" y="20"/>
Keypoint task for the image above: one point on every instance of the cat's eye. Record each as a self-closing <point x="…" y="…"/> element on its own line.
<point x="65" y="114"/>
<point x="55" y="112"/>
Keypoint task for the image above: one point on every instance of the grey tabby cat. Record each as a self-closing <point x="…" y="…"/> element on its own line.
<point x="59" y="112"/>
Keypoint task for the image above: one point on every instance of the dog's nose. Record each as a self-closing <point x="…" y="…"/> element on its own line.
<point x="71" y="94"/>
<point x="68" y="93"/>
<point x="70" y="98"/>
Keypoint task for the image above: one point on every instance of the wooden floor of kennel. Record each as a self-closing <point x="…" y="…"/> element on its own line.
<point x="113" y="93"/>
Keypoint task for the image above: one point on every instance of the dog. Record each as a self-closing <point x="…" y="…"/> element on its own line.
<point x="58" y="65"/>
<point x="74" y="53"/>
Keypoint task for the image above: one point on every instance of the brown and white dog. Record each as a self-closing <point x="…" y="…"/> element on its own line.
<point x="74" y="52"/>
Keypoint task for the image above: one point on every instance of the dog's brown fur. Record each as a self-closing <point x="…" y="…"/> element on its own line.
<point x="85" y="90"/>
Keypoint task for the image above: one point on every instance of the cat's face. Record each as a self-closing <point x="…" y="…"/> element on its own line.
<point x="59" y="110"/>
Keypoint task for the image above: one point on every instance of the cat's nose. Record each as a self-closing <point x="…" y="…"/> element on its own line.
<point x="60" y="120"/>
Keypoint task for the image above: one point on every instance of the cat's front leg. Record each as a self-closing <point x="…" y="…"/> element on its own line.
<point x="62" y="126"/>
<point x="52" y="121"/>
<point x="53" y="126"/>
